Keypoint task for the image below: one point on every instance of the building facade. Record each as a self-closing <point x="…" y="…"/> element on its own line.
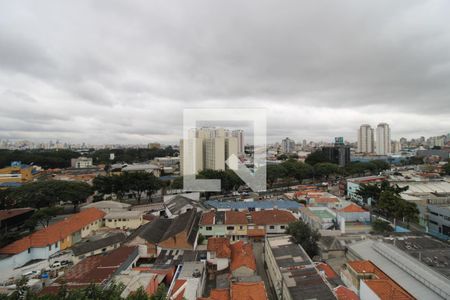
<point x="366" y="141"/>
<point x="383" y="142"/>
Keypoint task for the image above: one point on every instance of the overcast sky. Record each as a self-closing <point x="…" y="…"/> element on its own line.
<point x="109" y="71"/>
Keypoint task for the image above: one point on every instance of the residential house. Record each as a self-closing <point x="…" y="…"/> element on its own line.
<point x="239" y="291"/>
<point x="243" y="263"/>
<point x="218" y="252"/>
<point x="190" y="282"/>
<point x="124" y="219"/>
<point x="178" y="233"/>
<point x="354" y="213"/>
<point x="258" y="205"/>
<point x="179" y="204"/>
<point x="135" y="279"/>
<point x="97" y="246"/>
<point x="47" y="241"/>
<point x="240" y="225"/>
<point x="98" y="269"/>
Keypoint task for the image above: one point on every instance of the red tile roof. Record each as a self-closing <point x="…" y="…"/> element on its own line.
<point x="329" y="272"/>
<point x="275" y="216"/>
<point x="219" y="245"/>
<point x="178" y="289"/>
<point x="248" y="291"/>
<point x="9" y="213"/>
<point x="352" y="208"/>
<point x="344" y="293"/>
<point x="255" y="232"/>
<point x="207" y="218"/>
<point x="384" y="286"/>
<point x="326" y="200"/>
<point x="218" y="294"/>
<point x="235" y="217"/>
<point x="242" y="256"/>
<point x="54" y="232"/>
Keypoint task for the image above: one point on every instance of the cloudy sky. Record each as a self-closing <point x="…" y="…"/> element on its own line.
<point x="109" y="71"/>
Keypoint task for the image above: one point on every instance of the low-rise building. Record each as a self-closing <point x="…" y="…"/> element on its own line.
<point x="176" y="205"/>
<point x="243" y="263"/>
<point x="292" y="273"/>
<point x="124" y="219"/>
<point x="218" y="253"/>
<point x="17" y="174"/>
<point x="257" y="205"/>
<point x="439" y="221"/>
<point x="370" y="282"/>
<point x="190" y="282"/>
<point x="97" y="246"/>
<point x="240" y="225"/>
<point x="47" y="241"/>
<point x="179" y="233"/>
<point x="81" y="162"/>
<point x="353" y="185"/>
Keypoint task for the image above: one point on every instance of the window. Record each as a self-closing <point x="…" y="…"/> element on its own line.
<point x="56" y="245"/>
<point x="208" y="228"/>
<point x="241" y="227"/>
<point x="282" y="227"/>
<point x="50" y="247"/>
<point x="230" y="227"/>
<point x="29" y="250"/>
<point x="271" y="227"/>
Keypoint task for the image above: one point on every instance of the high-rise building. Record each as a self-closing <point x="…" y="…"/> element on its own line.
<point x="339" y="153"/>
<point x="207" y="148"/>
<point x="365" y="139"/>
<point x="239" y="135"/>
<point x="287" y="145"/>
<point x="396" y="147"/>
<point x="383" y="140"/>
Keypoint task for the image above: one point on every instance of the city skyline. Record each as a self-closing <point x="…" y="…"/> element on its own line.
<point x="321" y="70"/>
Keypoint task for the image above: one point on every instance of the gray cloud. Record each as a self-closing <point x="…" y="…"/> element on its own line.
<point x="114" y="71"/>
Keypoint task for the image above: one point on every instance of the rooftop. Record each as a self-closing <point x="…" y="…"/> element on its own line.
<point x="219" y="245"/>
<point x="259" y="204"/>
<point x="107" y="204"/>
<point x="242" y="256"/>
<point x="88" y="246"/>
<point x="275" y="216"/>
<point x="128" y="214"/>
<point x="248" y="291"/>
<point x="10" y="213"/>
<point x="54" y="232"/>
<point x="299" y="272"/>
<point x="352" y="208"/>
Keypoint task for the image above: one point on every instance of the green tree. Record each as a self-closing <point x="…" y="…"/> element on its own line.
<point x="51" y="192"/>
<point x="305" y="236"/>
<point x="6" y="201"/>
<point x="317" y="157"/>
<point x="297" y="170"/>
<point x="324" y="170"/>
<point x="177" y="183"/>
<point x="447" y="169"/>
<point x="160" y="294"/>
<point x="139" y="183"/>
<point x="381" y="227"/>
<point x="274" y="173"/>
<point x="42" y="217"/>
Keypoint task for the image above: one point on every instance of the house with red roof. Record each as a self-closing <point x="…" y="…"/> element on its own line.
<point x="218" y="253"/>
<point x="243" y="263"/>
<point x="47" y="241"/>
<point x="354" y="213"/>
<point x="240" y="291"/>
<point x="239" y="225"/>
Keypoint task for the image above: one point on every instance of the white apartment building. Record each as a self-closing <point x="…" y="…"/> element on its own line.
<point x="365" y="139"/>
<point x="239" y="135"/>
<point x="207" y="148"/>
<point x="383" y="142"/>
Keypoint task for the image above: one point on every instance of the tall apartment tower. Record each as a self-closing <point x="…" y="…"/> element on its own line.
<point x="239" y="135"/>
<point x="383" y="141"/>
<point x="366" y="142"/>
<point x="207" y="148"/>
<point x="288" y="145"/>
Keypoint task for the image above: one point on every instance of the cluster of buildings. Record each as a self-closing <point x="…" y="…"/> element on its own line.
<point x="209" y="148"/>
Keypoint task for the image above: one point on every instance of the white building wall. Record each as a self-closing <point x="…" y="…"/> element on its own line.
<point x="366" y="293"/>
